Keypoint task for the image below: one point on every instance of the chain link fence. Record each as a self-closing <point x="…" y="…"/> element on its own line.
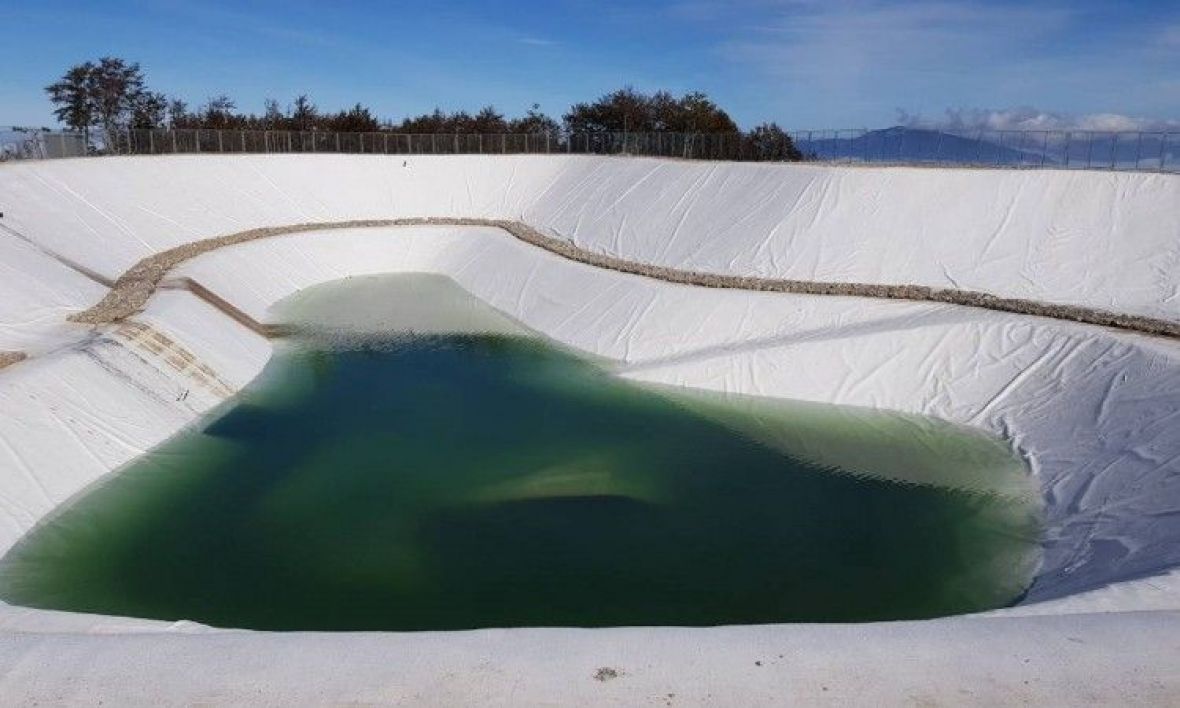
<point x="35" y="144"/>
<point x="1135" y="151"/>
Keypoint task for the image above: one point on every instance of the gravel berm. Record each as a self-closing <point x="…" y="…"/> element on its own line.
<point x="132" y="290"/>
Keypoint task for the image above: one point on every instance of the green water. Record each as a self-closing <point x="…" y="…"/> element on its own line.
<point x="414" y="480"/>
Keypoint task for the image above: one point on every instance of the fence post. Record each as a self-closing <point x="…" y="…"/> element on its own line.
<point x="1114" y="148"/>
<point x="1138" y="149"/>
<point x="1089" y="148"/>
<point x="1045" y="148"/>
<point x="220" y="146"/>
<point x="1164" y="151"/>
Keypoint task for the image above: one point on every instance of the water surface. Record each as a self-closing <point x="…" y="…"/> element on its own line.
<point x="414" y="460"/>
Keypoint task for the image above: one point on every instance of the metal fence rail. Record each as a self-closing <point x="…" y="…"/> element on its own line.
<point x="1134" y="151"/>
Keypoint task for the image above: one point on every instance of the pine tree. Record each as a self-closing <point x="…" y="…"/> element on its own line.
<point x="304" y="115"/>
<point x="109" y="94"/>
<point x="116" y="88"/>
<point x="71" y="96"/>
<point x="770" y="142"/>
<point x="149" y="110"/>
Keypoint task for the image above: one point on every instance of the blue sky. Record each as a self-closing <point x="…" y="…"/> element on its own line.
<point x="803" y="63"/>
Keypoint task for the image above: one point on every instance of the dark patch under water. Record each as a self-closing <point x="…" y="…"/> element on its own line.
<point x="463" y="481"/>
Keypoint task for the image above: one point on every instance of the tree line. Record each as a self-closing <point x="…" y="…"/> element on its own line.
<point x="112" y="94"/>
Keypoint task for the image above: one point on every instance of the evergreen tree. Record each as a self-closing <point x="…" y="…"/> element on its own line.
<point x="357" y="119"/>
<point x="304" y="115"/>
<point x="632" y="111"/>
<point x="218" y="112"/>
<point x="71" y="97"/>
<point x="770" y="142"/>
<point x="116" y="87"/>
<point x="178" y="116"/>
<point x="109" y="94"/>
<point x="273" y="117"/>
<point x="622" y="110"/>
<point x="698" y="114"/>
<point x="535" y="121"/>
<point x="489" y="120"/>
<point x="149" y="111"/>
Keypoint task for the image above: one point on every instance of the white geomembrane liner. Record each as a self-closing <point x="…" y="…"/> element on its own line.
<point x="1096" y="412"/>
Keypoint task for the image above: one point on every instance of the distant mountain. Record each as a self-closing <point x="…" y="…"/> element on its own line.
<point x="900" y="144"/>
<point x="1075" y="149"/>
<point x="1121" y="151"/>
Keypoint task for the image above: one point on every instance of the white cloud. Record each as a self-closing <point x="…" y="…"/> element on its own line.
<point x="851" y="61"/>
<point x="1029" y="118"/>
<point x="850" y="37"/>
<point x="537" y="41"/>
<point x="233" y="19"/>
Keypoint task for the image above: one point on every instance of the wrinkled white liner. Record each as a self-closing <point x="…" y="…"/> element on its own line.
<point x="1104" y="240"/>
<point x="1094" y="410"/>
